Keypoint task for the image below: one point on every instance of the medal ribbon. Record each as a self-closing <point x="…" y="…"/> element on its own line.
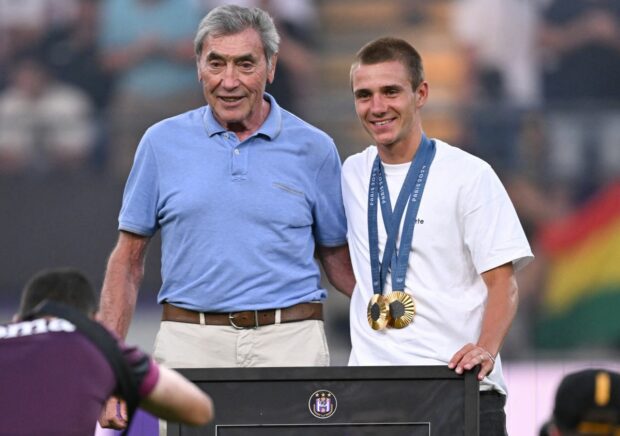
<point x="410" y="193"/>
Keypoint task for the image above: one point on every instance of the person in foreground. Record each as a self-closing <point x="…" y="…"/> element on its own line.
<point x="445" y="294"/>
<point x="44" y="358"/>
<point x="587" y="403"/>
<point x="245" y="194"/>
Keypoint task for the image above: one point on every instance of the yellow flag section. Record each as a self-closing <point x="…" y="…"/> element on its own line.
<point x="581" y="303"/>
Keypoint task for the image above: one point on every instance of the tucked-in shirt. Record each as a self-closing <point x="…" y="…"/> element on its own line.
<point x="239" y="219"/>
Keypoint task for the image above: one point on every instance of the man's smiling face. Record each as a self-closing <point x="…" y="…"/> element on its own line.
<point x="233" y="71"/>
<point x="386" y="103"/>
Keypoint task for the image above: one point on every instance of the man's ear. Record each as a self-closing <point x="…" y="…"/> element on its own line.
<point x="422" y="94"/>
<point x="272" y="68"/>
<point x="198" y="68"/>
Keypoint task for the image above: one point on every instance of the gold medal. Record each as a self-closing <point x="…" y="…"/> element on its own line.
<point x="378" y="312"/>
<point x="401" y="307"/>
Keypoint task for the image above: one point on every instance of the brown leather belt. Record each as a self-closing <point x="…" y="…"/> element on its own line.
<point x="247" y="319"/>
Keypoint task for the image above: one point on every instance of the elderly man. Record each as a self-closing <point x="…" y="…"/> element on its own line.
<point x="245" y="195"/>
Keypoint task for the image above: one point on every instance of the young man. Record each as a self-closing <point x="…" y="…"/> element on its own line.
<point x="445" y="294"/>
<point x="55" y="378"/>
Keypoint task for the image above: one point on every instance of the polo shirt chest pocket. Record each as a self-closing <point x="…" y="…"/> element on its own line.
<point x="290" y="205"/>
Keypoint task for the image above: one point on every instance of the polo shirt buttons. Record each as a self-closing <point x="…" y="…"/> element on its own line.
<point x="239" y="165"/>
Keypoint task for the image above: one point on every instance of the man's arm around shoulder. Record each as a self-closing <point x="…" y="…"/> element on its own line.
<point x="336" y="262"/>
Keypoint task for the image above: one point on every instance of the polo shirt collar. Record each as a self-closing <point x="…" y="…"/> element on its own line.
<point x="271" y="127"/>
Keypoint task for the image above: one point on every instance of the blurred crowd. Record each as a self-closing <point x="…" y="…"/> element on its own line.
<point x="81" y="80"/>
<point x="544" y="110"/>
<point x="542" y="76"/>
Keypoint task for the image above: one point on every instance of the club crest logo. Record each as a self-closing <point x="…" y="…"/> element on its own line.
<point x="322" y="404"/>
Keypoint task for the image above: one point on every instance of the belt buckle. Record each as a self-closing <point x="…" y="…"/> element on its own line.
<point x="231" y="321"/>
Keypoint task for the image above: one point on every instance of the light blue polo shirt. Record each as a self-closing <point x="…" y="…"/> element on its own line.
<point x="238" y="220"/>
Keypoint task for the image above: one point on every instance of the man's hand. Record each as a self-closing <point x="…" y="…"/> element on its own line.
<point x="471" y="355"/>
<point x="114" y="414"/>
<point x="499" y="312"/>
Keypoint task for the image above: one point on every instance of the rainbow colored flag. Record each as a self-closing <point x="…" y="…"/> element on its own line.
<point x="581" y="303"/>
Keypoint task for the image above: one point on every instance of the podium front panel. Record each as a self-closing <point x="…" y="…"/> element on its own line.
<point x="342" y="401"/>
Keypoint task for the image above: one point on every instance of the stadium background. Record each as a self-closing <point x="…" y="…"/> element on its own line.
<point x="56" y="215"/>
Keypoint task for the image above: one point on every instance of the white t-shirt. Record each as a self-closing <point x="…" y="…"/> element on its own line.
<point x="466" y="225"/>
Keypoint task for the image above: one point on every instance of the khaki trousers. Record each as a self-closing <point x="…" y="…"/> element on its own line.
<point x="182" y="345"/>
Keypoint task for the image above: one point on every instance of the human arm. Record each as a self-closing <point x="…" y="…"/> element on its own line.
<point x="500" y="310"/>
<point x="124" y="274"/>
<point x="174" y="398"/>
<point x="336" y="263"/>
<point x="119" y="293"/>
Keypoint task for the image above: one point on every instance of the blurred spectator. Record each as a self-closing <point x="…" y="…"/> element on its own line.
<point x="298" y="25"/>
<point x="22" y="25"/>
<point x="587" y="403"/>
<point x="148" y="44"/>
<point x="501" y="51"/>
<point x="71" y="50"/>
<point x="44" y="124"/>
<point x="498" y="39"/>
<point x="580" y="47"/>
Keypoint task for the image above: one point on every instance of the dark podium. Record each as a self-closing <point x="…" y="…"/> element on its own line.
<point x="337" y="401"/>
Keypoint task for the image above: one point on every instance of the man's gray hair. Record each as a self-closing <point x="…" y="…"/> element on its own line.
<point x="232" y="19"/>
